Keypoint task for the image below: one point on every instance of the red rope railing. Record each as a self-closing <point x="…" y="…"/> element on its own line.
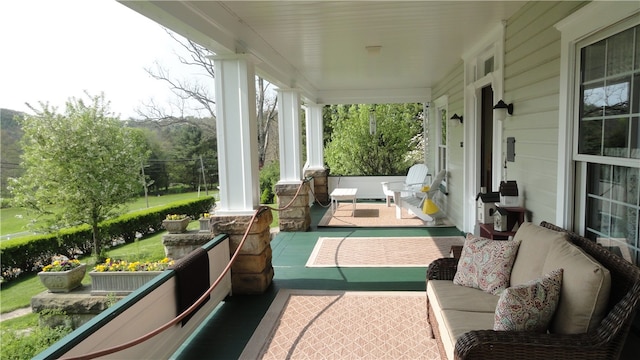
<point x="198" y="302"/>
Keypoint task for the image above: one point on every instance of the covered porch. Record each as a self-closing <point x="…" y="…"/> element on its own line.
<point x="456" y="58"/>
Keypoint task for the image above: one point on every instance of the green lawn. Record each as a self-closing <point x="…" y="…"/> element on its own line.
<point x="17" y="294"/>
<point x="15" y="220"/>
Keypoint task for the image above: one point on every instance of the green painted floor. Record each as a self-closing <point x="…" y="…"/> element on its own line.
<point x="229" y="327"/>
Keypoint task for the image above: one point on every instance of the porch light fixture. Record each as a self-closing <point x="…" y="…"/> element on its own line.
<point x="372" y="120"/>
<point x="455" y="120"/>
<point x="502" y="109"/>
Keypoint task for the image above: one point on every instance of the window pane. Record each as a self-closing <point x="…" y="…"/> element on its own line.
<point x="634" y="138"/>
<point x="488" y="66"/>
<point x="635" y="98"/>
<point x="620" y="53"/>
<point x="637" y="66"/>
<point x="443" y="127"/>
<point x="590" y="137"/>
<point x="616" y="100"/>
<point x="593" y="61"/>
<point x="597" y="219"/>
<point x="615" y="137"/>
<point x="593" y="99"/>
<point x="599" y="179"/>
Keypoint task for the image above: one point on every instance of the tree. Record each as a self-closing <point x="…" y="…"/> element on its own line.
<point x="193" y="97"/>
<point x="10" y="150"/>
<point x="80" y="166"/>
<point x="390" y="150"/>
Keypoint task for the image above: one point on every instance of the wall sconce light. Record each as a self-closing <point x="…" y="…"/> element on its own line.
<point x="455" y="120"/>
<point x="501" y="110"/>
<point x="372" y="121"/>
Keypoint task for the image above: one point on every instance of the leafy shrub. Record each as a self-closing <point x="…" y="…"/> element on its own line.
<point x="31" y="253"/>
<point x="25" y="344"/>
<point x="269" y="177"/>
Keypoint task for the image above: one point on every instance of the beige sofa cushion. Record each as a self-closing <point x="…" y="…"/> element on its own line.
<point x="448" y="296"/>
<point x="585" y="289"/>
<point x="535" y="242"/>
<point x="457" y="323"/>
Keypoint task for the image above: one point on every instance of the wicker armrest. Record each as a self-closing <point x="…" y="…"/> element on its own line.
<point x="442" y="269"/>
<point x="489" y="344"/>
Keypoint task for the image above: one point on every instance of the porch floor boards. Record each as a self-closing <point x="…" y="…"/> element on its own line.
<point x="227" y="330"/>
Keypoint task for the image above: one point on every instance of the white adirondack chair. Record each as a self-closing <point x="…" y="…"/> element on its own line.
<point x="417" y="177"/>
<point x="430" y="211"/>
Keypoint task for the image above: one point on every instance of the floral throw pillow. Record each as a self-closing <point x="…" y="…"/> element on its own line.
<point x="530" y="306"/>
<point x="486" y="264"/>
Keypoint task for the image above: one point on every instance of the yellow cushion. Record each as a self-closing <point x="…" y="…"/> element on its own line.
<point x="429" y="207"/>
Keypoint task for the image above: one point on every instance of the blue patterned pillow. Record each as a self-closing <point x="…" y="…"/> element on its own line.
<point x="530" y="306"/>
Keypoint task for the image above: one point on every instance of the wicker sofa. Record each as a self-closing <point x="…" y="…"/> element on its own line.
<point x="464" y="338"/>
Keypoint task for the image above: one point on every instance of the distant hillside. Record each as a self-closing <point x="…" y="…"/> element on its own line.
<point x="9" y="147"/>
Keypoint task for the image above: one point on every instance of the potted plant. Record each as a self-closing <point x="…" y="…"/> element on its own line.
<point x="204" y="222"/>
<point x="176" y="223"/>
<point x="62" y="274"/>
<point x="121" y="277"/>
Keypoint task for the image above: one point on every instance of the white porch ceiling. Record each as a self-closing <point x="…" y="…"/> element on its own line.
<point x="320" y="47"/>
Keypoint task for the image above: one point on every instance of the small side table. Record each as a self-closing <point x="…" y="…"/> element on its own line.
<point x="487" y="230"/>
<point x="343" y="194"/>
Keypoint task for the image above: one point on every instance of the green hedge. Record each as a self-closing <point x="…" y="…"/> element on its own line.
<point x="31" y="253"/>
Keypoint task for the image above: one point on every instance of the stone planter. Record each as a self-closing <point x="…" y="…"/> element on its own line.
<point x="204" y="224"/>
<point x="63" y="281"/>
<point x="119" y="282"/>
<point x="176" y="226"/>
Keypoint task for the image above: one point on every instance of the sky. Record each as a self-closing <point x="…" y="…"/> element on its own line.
<point x="53" y="50"/>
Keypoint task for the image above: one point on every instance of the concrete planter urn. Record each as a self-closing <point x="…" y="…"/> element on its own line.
<point x="63" y="281"/>
<point x="176" y="226"/>
<point x="119" y="282"/>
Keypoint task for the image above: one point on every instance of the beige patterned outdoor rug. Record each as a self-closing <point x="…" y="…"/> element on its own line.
<point x="373" y="215"/>
<point x="312" y="324"/>
<point x="381" y="251"/>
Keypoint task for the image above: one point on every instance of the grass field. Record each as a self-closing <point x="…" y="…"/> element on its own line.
<point x="16" y="220"/>
<point x="17" y="294"/>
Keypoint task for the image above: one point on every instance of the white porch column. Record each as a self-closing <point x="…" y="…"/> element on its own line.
<point x="315" y="148"/>
<point x="237" y="135"/>
<point x="315" y="154"/>
<point x="297" y="216"/>
<point x="289" y="104"/>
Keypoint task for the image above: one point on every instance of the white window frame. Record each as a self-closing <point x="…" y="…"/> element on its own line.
<point x="441" y="104"/>
<point x="584" y="23"/>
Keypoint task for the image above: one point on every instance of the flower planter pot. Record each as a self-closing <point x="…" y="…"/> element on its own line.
<point x="204" y="224"/>
<point x="176" y="226"/>
<point x="119" y="282"/>
<point x="63" y="281"/>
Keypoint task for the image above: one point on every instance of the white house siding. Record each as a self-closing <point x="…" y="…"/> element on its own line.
<point x="531" y="83"/>
<point x="452" y="86"/>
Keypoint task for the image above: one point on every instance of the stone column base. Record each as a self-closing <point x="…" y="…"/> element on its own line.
<point x="320" y="184"/>
<point x="177" y="246"/>
<point x="298" y="216"/>
<point x="252" y="271"/>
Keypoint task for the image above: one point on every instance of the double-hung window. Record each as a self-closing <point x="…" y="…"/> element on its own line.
<point x="607" y="146"/>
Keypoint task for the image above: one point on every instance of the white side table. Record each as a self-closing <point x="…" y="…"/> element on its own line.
<point x="343" y="194"/>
